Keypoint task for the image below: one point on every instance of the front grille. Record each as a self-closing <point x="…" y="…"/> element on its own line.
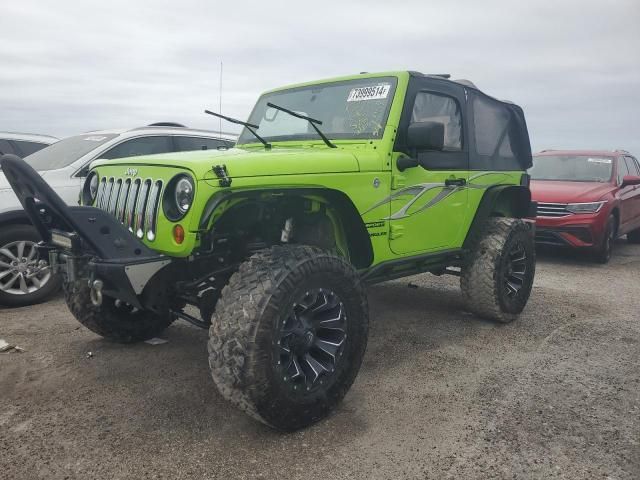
<point x="554" y="236"/>
<point x="549" y="238"/>
<point x="581" y="233"/>
<point x="552" y="209"/>
<point x="135" y="203"/>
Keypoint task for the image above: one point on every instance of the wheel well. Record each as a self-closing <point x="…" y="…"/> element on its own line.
<point x="616" y="214"/>
<point x="513" y="201"/>
<point x="320" y="217"/>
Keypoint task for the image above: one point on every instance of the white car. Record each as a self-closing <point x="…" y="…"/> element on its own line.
<point x="23" y="144"/>
<point x="24" y="278"/>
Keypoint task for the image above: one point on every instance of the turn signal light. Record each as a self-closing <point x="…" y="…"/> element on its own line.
<point x="178" y="234"/>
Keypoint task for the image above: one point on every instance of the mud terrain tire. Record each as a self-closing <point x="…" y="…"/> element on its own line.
<point x="495" y="267"/>
<point x="115" y="322"/>
<point x="269" y="293"/>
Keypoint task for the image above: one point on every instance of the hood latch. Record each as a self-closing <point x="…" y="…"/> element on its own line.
<point x="222" y="173"/>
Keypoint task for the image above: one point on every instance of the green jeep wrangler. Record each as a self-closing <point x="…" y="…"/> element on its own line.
<point x="333" y="185"/>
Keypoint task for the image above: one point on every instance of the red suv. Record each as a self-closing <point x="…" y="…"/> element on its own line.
<point x="586" y="199"/>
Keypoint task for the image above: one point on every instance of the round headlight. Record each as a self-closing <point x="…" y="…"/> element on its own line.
<point x="178" y="197"/>
<point x="90" y="189"/>
<point x="184" y="195"/>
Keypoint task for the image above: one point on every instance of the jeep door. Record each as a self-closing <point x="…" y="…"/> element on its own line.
<point x="429" y="201"/>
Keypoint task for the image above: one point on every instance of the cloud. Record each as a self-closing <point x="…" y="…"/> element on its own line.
<point x="73" y="66"/>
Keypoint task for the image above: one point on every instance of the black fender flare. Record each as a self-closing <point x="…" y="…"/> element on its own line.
<point x="357" y="236"/>
<point x="500" y="200"/>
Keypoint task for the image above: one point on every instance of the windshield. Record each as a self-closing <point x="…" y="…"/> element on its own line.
<point x="578" y="168"/>
<point x="65" y="152"/>
<point x="352" y="109"/>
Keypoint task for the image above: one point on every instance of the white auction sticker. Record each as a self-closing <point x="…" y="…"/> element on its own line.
<point x="375" y="92"/>
<point x="599" y="160"/>
<point x="94" y="138"/>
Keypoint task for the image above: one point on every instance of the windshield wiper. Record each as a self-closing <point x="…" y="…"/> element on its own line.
<point x="249" y="126"/>
<point x="312" y="121"/>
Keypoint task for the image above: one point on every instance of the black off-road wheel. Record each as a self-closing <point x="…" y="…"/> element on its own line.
<point x="497" y="276"/>
<point x="288" y="335"/>
<point x="634" y="236"/>
<point x="114" y="320"/>
<point x="605" y="250"/>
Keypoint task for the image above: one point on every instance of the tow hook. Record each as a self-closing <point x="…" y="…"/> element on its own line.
<point x="96" y="292"/>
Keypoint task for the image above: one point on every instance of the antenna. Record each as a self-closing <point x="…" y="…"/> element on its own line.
<point x="220" y="99"/>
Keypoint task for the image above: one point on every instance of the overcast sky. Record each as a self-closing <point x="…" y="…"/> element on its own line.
<point x="76" y="65"/>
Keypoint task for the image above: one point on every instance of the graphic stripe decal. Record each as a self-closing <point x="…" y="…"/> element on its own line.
<point x="420" y="189"/>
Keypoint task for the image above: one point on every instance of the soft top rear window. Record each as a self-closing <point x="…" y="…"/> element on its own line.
<point x="500" y="135"/>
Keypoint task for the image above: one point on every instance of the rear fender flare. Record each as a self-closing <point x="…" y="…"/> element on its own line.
<point x="512" y="201"/>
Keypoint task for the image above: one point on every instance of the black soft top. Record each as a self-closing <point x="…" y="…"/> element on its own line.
<point x="496" y="135"/>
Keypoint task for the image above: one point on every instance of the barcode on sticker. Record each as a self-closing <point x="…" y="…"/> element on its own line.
<point x="375" y="92"/>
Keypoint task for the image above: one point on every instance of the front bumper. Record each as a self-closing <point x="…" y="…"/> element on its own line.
<point x="139" y="283"/>
<point x="86" y="244"/>
<point x="575" y="231"/>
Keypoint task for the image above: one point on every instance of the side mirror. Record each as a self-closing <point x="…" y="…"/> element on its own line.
<point x="426" y="136"/>
<point x="629" y="180"/>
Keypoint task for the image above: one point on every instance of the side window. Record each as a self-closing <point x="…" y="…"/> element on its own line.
<point x="186" y="144"/>
<point x="431" y="107"/>
<point x="622" y="169"/>
<point x="5" y="147"/>
<point x="491" y="124"/>
<point x="632" y="166"/>
<point x="27" y="148"/>
<point x="139" y="146"/>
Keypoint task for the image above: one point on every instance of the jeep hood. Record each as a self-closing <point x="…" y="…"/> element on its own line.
<point x="250" y="163"/>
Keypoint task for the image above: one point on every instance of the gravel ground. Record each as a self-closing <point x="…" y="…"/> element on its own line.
<point x="440" y="395"/>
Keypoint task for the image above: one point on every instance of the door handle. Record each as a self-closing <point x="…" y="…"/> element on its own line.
<point x="457" y="182"/>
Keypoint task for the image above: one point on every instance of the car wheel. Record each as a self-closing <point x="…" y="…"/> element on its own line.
<point x="497" y="276"/>
<point x="288" y="335"/>
<point x="603" y="253"/>
<point x="25" y="279"/>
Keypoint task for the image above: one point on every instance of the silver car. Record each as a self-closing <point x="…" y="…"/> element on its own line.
<point x="23" y="144"/>
<point x="24" y="278"/>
